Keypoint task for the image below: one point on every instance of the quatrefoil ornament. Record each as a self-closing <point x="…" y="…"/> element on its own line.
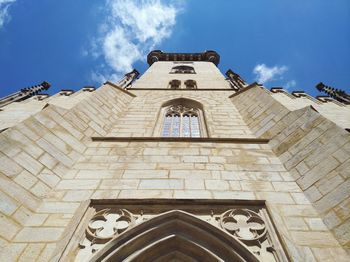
<point x="244" y="224"/>
<point x="106" y="225"/>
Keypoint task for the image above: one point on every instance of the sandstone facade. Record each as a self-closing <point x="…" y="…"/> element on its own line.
<point x="59" y="153"/>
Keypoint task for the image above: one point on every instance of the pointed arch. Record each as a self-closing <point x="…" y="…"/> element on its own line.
<point x="181" y="117"/>
<point x="175" y="234"/>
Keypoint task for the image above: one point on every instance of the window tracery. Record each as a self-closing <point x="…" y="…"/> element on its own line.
<point x="181" y="121"/>
<point x="220" y="231"/>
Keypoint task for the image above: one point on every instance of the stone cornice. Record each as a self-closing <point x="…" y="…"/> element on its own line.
<point x="255" y="84"/>
<point x="168" y="89"/>
<point x="236" y="140"/>
<point x="207" y="56"/>
<point x="119" y="88"/>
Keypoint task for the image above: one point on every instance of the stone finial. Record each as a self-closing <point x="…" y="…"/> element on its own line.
<point x="128" y="79"/>
<point x="24" y="93"/>
<point x="235" y="80"/>
<point x="337" y="94"/>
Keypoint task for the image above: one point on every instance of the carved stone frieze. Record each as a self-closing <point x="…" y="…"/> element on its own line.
<point x="159" y="229"/>
<point x="249" y="225"/>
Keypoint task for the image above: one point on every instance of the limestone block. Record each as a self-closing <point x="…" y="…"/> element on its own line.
<point x="146" y="194"/>
<point x="57" y="220"/>
<point x="49" y="178"/>
<point x="54" y="152"/>
<point x="313" y="194"/>
<point x="12" y="252"/>
<point x="190" y="174"/>
<point x="298" y="210"/>
<point x="192" y="194"/>
<point x="300" y="198"/>
<point x="342" y="233"/>
<point x="256" y="186"/>
<point x="46" y="253"/>
<point x="32" y="252"/>
<point x="317" y="172"/>
<point x="233" y="195"/>
<point x="138" y="174"/>
<point x="296" y="223"/>
<point x="8" y="228"/>
<point x="161" y="184"/>
<point x="286" y="186"/>
<point x="78" y="184"/>
<point x="77" y="195"/>
<point x="7" y="204"/>
<point x="218" y="185"/>
<point x="18" y="193"/>
<point x="27" y="218"/>
<point x="105" y="194"/>
<point x="329" y="182"/>
<point x="8" y="166"/>
<point x="316" y="239"/>
<point x="48" y="160"/>
<point x="119" y="184"/>
<point x="39" y="234"/>
<point x="194" y="184"/>
<point x="276" y="197"/>
<point x="99" y="174"/>
<point x="316" y="224"/>
<point x="333" y="198"/>
<point x="329" y="254"/>
<point x="235" y="185"/>
<point x="58" y="207"/>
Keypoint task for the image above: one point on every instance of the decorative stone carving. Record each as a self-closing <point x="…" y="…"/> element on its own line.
<point x="108" y="227"/>
<point x="103" y="227"/>
<point x="244" y="224"/>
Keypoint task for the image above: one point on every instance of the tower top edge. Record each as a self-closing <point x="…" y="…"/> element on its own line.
<point x="207" y="56"/>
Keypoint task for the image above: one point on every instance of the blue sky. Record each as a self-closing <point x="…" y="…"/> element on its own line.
<point x="70" y="44"/>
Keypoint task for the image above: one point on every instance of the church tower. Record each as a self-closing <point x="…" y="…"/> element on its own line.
<point x="180" y="163"/>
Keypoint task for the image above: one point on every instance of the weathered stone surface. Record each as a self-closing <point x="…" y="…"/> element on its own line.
<point x="161" y="184"/>
<point x="8" y="228"/>
<point x="7" y="204"/>
<point x="78" y="184"/>
<point x="32" y="252"/>
<point x="317" y="239"/>
<point x="49" y="165"/>
<point x="58" y="207"/>
<point x="12" y="252"/>
<point x="42" y="234"/>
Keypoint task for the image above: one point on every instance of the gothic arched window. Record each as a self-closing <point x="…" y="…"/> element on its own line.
<point x="182" y="70"/>
<point x="181" y="121"/>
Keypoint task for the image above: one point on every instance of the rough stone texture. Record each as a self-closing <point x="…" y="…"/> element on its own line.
<point x="49" y="165"/>
<point x="313" y="146"/>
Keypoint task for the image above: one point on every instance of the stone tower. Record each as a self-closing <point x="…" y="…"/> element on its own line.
<point x="181" y="164"/>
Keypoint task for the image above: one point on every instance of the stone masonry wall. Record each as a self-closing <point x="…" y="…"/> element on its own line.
<point x="312" y="148"/>
<point x="143" y="114"/>
<point x="36" y="154"/>
<point x="55" y="145"/>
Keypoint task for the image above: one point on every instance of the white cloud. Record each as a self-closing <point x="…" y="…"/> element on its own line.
<point x="4" y="6"/>
<point x="265" y="74"/>
<point x="131" y="30"/>
<point x="290" y="84"/>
